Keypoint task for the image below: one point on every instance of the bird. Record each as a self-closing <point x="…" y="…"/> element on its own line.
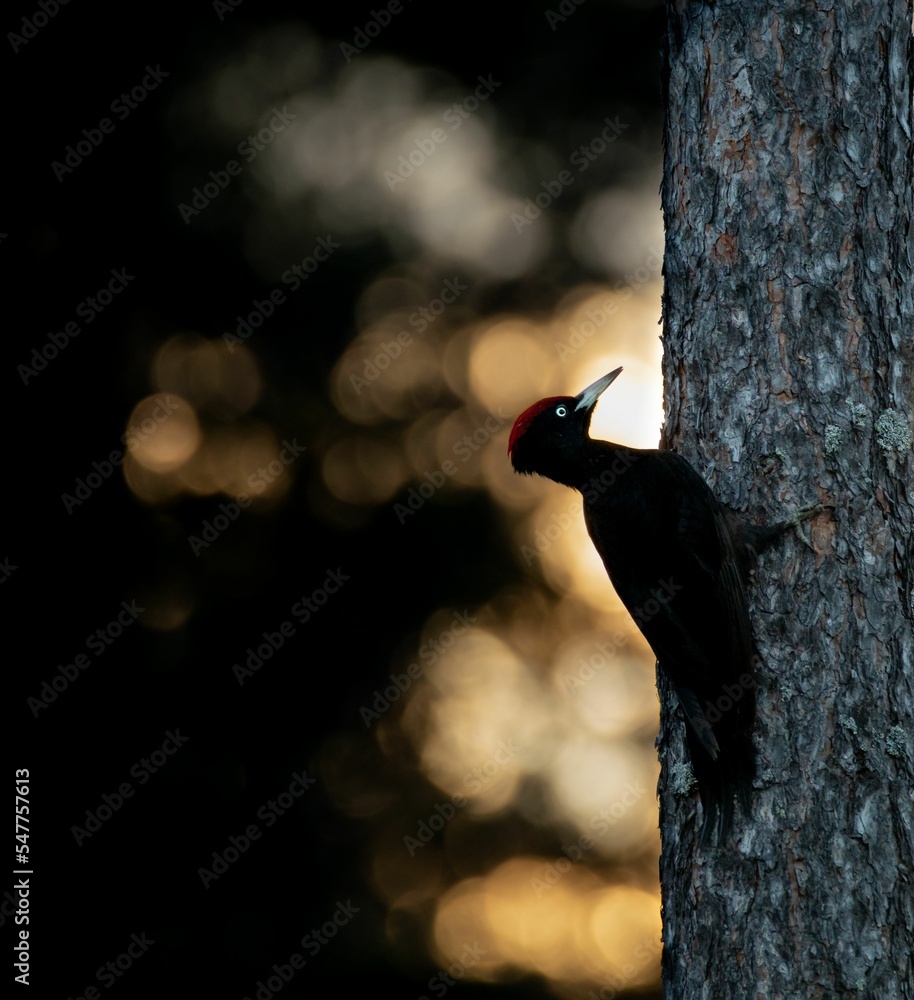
<point x="679" y="561"/>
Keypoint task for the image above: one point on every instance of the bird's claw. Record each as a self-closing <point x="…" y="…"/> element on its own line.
<point x="810" y="512"/>
<point x="806" y="514"/>
<point x="798" y="531"/>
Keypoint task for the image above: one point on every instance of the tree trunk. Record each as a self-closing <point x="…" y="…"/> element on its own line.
<point x="788" y="312"/>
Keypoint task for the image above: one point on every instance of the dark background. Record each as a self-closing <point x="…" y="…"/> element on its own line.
<point x="139" y="873"/>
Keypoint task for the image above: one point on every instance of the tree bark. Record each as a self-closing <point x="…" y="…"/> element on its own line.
<point x="788" y="322"/>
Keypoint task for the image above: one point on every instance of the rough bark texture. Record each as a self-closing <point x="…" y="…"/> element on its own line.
<point x="788" y="329"/>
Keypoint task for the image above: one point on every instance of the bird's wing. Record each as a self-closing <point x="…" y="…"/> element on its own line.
<point x="672" y="556"/>
<point x="704" y="538"/>
<point x="669" y="552"/>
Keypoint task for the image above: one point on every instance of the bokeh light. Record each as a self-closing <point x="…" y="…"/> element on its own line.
<point x="547" y="715"/>
<point x="553" y="917"/>
<point x="163" y="433"/>
<point x="551" y="722"/>
<point x="288" y="310"/>
<point x="506" y="787"/>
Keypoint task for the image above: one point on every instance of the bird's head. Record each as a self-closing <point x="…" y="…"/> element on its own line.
<point x="550" y="437"/>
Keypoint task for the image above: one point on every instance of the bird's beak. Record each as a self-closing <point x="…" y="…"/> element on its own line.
<point x="587" y="399"/>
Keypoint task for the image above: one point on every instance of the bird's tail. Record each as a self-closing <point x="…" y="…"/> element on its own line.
<point x="719" y="728"/>
<point x="722" y="782"/>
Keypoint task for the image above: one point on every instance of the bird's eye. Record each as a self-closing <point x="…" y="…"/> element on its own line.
<point x="561" y="411"/>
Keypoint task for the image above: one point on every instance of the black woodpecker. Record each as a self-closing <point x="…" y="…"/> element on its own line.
<point x="666" y="541"/>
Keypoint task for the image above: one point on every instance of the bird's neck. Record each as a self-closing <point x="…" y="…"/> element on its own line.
<point x="594" y="464"/>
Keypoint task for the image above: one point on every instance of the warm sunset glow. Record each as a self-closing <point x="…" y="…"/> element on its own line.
<point x="553" y="917"/>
